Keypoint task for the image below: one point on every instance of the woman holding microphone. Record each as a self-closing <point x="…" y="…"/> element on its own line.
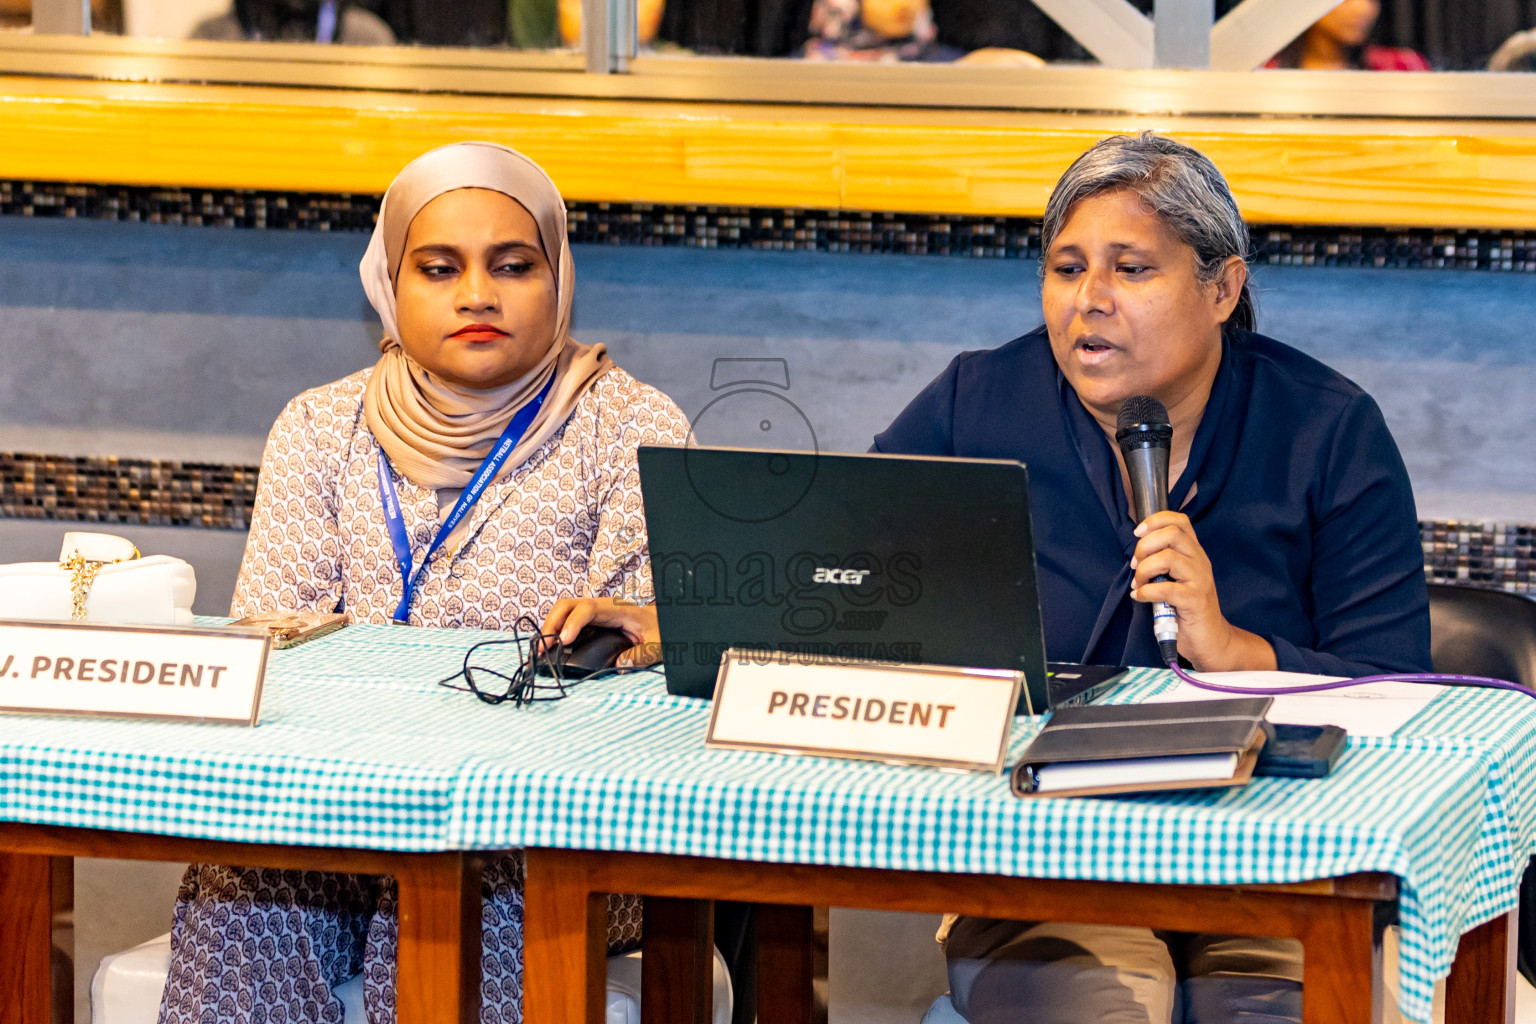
<point x="1290" y="539"/>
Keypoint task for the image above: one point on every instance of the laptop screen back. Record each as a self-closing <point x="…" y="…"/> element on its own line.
<point x="888" y="558"/>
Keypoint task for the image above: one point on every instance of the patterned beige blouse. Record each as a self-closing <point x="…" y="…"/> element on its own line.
<point x="566" y="523"/>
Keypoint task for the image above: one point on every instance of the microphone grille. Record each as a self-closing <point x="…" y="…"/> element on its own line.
<point x="1140" y="409"/>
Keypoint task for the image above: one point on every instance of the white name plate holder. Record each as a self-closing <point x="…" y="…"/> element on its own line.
<point x="933" y="715"/>
<point x="210" y="674"/>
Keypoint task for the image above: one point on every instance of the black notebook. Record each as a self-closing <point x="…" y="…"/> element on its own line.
<point x="1135" y="748"/>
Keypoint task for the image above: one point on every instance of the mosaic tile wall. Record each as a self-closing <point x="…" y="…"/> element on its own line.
<point x="731" y="227"/>
<point x="1498" y="556"/>
<point x="107" y="491"/>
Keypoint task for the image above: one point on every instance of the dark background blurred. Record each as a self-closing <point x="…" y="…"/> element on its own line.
<point x="1456" y="35"/>
<point x="1453" y="34"/>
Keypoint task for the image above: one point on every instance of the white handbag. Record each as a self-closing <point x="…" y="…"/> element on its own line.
<point x="100" y="578"/>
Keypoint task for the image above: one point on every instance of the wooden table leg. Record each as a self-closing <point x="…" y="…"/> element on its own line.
<point x="1341" y="964"/>
<point x="677" y="969"/>
<point x="26" y="933"/>
<point x="785" y="964"/>
<point x="438" y="968"/>
<point x="565" y="925"/>
<point x="1481" y="988"/>
<point x="62" y="951"/>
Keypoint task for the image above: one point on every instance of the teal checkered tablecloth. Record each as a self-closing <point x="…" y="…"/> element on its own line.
<point x="359" y="747"/>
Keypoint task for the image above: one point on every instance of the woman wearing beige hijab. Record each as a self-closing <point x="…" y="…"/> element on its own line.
<point x="482" y="471"/>
<point x="471" y="274"/>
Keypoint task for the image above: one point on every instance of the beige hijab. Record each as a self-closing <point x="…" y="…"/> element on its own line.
<point x="434" y="432"/>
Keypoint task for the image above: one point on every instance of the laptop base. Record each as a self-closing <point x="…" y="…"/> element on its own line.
<point x="1070" y="685"/>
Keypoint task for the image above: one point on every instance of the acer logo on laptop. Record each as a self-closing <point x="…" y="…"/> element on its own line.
<point x="852" y="577"/>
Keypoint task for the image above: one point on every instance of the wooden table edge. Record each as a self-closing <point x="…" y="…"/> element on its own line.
<point x="680" y="874"/>
<point x="80" y="841"/>
<point x="76" y="841"/>
<point x="438" y="924"/>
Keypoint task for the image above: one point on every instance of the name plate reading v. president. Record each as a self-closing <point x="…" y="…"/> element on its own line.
<point x="201" y="675"/>
<point x="910" y="714"/>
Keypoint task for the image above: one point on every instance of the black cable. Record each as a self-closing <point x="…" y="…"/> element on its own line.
<point x="525" y="684"/>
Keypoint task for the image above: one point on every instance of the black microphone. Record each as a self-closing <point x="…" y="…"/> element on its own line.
<point x="1145" y="437"/>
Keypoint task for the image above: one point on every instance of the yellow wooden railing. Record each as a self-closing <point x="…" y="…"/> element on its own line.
<point x="1478" y="174"/>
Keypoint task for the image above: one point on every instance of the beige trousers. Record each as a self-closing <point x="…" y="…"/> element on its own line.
<point x="1017" y="972"/>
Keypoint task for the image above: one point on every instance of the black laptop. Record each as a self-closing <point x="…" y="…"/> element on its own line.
<point x="869" y="557"/>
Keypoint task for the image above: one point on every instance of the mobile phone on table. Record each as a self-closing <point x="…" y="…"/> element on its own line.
<point x="290" y="628"/>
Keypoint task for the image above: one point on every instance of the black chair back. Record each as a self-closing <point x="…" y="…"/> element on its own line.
<point x="1476" y="632"/>
<point x="1483" y="633"/>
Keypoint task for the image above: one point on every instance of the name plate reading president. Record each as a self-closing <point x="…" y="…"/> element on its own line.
<point x="910" y="714"/>
<point x="202" y="675"/>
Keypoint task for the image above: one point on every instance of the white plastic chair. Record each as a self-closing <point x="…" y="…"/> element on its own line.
<point x="128" y="985"/>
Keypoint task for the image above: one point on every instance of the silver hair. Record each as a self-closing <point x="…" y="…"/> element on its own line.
<point x="1174" y="181"/>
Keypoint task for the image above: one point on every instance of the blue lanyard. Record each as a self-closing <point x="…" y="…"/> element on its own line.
<point x="477" y="485"/>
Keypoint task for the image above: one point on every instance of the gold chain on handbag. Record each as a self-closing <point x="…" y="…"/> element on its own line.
<point x="84" y="578"/>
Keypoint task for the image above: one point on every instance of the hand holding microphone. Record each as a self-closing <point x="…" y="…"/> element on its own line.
<point x="1172" y="569"/>
<point x="1145" y="438"/>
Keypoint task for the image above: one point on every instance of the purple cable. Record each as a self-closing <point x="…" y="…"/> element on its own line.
<point x="1339" y="684"/>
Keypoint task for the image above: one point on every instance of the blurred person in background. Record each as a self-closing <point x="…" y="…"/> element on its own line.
<point x="884" y="31"/>
<point x="1340" y="41"/>
<point x="315" y="21"/>
<point x="1518" y="53"/>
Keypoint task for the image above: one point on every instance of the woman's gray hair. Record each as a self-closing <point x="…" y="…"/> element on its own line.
<point x="1174" y="181"/>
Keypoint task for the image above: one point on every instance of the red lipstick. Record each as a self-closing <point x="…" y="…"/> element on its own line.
<point x="479" y="332"/>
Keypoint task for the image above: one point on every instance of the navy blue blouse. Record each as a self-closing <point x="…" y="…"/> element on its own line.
<point x="1303" y="505"/>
